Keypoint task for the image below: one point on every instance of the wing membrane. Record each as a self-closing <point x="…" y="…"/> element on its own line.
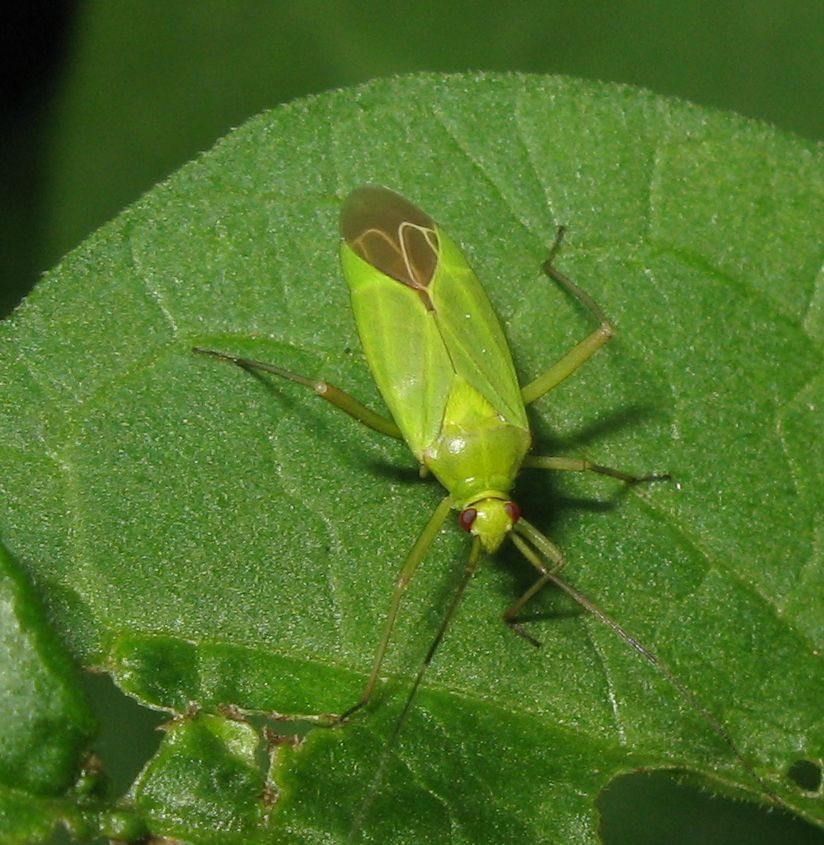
<point x="424" y="319"/>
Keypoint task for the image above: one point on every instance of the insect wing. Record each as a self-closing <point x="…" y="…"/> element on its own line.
<point x="472" y="334"/>
<point x="404" y="349"/>
<point x="424" y="320"/>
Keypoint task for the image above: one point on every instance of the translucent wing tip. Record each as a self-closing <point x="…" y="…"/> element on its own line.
<point x="390" y="233"/>
<point x="376" y="207"/>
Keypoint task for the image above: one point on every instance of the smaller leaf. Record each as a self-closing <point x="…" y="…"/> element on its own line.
<point x="206" y="784"/>
<point x="47" y="723"/>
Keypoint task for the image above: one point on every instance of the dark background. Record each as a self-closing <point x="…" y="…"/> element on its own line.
<point x="104" y="99"/>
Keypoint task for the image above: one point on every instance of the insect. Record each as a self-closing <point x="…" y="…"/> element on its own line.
<point x="440" y="360"/>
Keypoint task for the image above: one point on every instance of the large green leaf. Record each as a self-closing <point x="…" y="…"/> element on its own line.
<point x="216" y="540"/>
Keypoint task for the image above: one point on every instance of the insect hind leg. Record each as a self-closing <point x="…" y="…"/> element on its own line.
<point x="584" y="350"/>
<point x="567" y="284"/>
<point x="332" y="394"/>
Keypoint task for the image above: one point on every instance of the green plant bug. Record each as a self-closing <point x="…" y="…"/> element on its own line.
<point x="439" y="358"/>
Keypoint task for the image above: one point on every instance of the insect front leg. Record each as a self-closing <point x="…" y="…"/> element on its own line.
<point x="410" y="565"/>
<point x="581" y="353"/>
<point x="551" y="555"/>
<point x="332" y="394"/>
<point x="539" y="551"/>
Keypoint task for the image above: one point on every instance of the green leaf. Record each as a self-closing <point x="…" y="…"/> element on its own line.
<point x="47" y="724"/>
<point x="205" y="783"/>
<point x="217" y="540"/>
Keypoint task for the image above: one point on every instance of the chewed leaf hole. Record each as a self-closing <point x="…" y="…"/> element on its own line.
<point x="806" y="774"/>
<point x="129" y="734"/>
<point x="643" y="809"/>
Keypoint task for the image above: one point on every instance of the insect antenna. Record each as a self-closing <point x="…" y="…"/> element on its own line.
<point x="522" y="537"/>
<point x="377" y="780"/>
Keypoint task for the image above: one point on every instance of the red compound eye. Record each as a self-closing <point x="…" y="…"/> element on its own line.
<point x="513" y="510"/>
<point x="467" y="518"/>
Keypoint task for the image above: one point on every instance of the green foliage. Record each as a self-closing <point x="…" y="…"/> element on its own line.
<point x="205" y="780"/>
<point x="216" y="540"/>
<point x="39" y="694"/>
<point x="47" y="723"/>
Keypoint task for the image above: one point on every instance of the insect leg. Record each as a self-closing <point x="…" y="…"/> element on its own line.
<point x="469" y="572"/>
<point x="413" y="559"/>
<point x="337" y="397"/>
<point x="550" y="552"/>
<point x="583" y="351"/>
<point x="533" y="545"/>
<point x="583" y="465"/>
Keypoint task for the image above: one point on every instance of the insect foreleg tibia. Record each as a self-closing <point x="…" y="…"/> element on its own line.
<point x="532" y="545"/>
<point x="557" y="561"/>
<point x="547" y="558"/>
<point x="469" y="571"/>
<point x="585" y="349"/>
<point x="471" y="566"/>
<point x="413" y="559"/>
<point x="582" y="465"/>
<point x="334" y="395"/>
